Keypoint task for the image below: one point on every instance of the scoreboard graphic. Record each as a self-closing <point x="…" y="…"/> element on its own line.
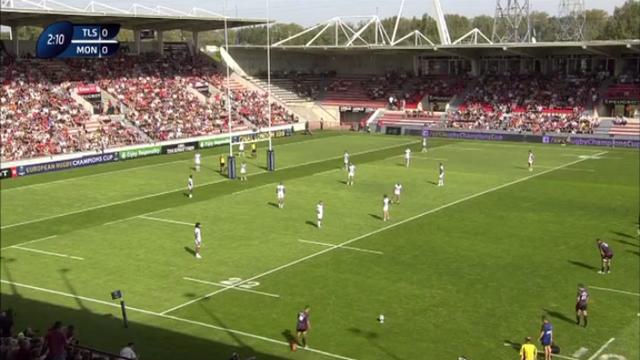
<point x="66" y="40"/>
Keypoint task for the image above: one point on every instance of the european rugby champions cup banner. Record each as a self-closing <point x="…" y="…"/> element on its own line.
<point x="66" y="164"/>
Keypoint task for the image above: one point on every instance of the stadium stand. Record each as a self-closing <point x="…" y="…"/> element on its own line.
<point x="40" y="118"/>
<point x="159" y="94"/>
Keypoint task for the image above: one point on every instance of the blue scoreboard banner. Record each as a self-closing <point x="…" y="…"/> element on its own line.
<point x="64" y="39"/>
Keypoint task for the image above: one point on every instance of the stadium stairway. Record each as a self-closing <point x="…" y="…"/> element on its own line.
<point x="604" y="127"/>
<point x="238" y="83"/>
<point x="280" y="88"/>
<point x="631" y="129"/>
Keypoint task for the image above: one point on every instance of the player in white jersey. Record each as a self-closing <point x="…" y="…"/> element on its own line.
<point x="319" y="213"/>
<point x="530" y="160"/>
<point x="424" y="144"/>
<point x="352" y="174"/>
<point x="243" y="171"/>
<point x="196" y="160"/>
<point x="441" y="175"/>
<point x="385" y="208"/>
<point x="198" y="240"/>
<point x="241" y="149"/>
<point x="190" y="186"/>
<point x="346" y="157"/>
<point x="280" y="194"/>
<point x="397" y="189"/>
<point x="407" y="157"/>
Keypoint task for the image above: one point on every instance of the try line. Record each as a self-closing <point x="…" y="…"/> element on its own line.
<point x="175" y="318"/>
<point x="337" y="246"/>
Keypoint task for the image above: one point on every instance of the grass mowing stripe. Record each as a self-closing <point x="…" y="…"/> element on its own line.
<point x="30" y="242"/>
<point x="182" y="188"/>
<point x="377" y="231"/>
<point x="101" y="214"/>
<point x="595" y="355"/>
<point x="153" y="313"/>
<point x="138" y="163"/>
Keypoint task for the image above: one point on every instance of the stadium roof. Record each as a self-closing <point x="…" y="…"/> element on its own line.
<point x="610" y="48"/>
<point x="136" y="17"/>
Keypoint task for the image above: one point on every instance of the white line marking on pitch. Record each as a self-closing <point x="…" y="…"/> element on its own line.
<point x="578" y="353"/>
<point x="614" y="290"/>
<point x="45" y="252"/>
<point x="595" y="355"/>
<point x="30" y="242"/>
<point x="305" y="258"/>
<point x="182" y="188"/>
<point x="153" y="313"/>
<point x="235" y="288"/>
<point x="564" y="357"/>
<point x="165" y="220"/>
<point x="127" y="169"/>
<point x="567" y="169"/>
<point x="343" y="247"/>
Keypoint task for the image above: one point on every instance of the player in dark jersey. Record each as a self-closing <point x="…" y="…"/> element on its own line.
<point x="303" y="325"/>
<point x="546" y="337"/>
<point x="582" y="301"/>
<point x="606" y="254"/>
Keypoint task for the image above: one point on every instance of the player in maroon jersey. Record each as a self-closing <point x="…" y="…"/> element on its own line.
<point x="606" y="254"/>
<point x="303" y="325"/>
<point x="582" y="301"/>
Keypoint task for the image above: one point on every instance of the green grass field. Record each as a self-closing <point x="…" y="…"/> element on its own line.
<point x="464" y="269"/>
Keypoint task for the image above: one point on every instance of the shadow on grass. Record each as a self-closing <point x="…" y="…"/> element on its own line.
<point x="272" y="204"/>
<point x="627" y="243"/>
<point x="311" y="223"/>
<point x="343" y="182"/>
<point x="432" y="182"/>
<point x="512" y="344"/>
<point x="105" y="331"/>
<point x="623" y="234"/>
<point x="637" y="253"/>
<point x="190" y="251"/>
<point x="559" y="316"/>
<point x="372" y="337"/>
<point x="583" y="265"/>
<point x="376" y="216"/>
<point x="288" y="336"/>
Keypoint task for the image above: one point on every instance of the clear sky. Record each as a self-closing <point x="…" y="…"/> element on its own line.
<point x="308" y="12"/>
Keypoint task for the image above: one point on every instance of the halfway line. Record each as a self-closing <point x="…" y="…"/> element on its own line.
<point x="377" y="231"/>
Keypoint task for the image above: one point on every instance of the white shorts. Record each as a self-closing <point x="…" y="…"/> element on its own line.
<point x="197" y="162"/>
<point x="280" y="196"/>
<point x="351" y="175"/>
<point x="385" y="208"/>
<point x="198" y="243"/>
<point x="530" y="163"/>
<point x="243" y="172"/>
<point x="397" y="193"/>
<point x="190" y="188"/>
<point x="319" y="216"/>
<point x="441" y="176"/>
